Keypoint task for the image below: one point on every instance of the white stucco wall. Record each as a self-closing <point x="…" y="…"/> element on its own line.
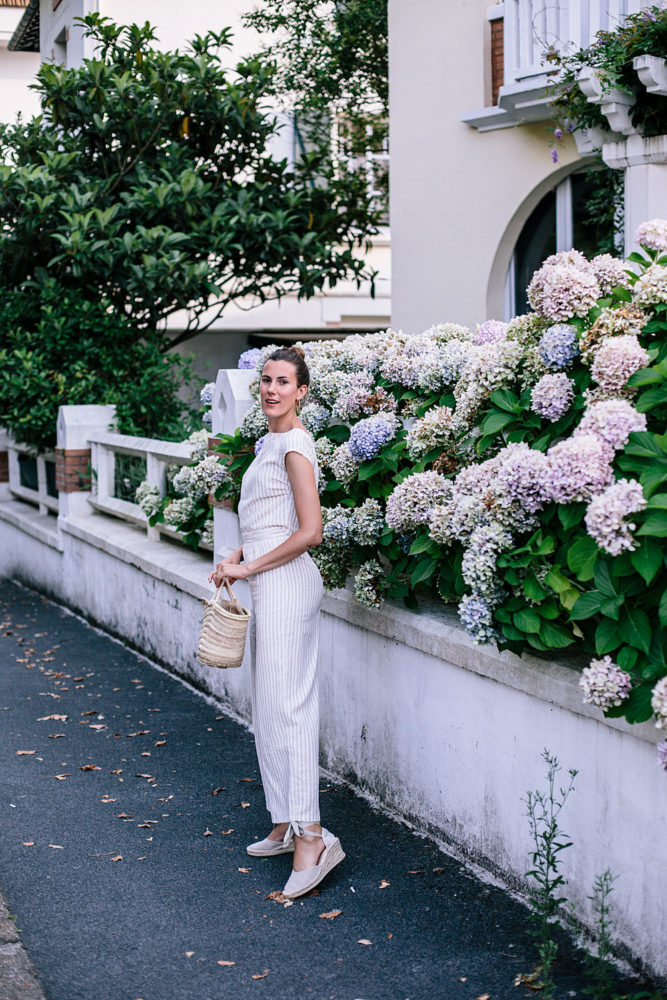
<point x="458" y="197"/>
<point x="17" y="70"/>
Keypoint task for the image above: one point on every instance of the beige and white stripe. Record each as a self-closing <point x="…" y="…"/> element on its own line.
<point x="284" y="633"/>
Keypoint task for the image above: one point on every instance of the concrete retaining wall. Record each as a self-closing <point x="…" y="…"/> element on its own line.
<point x="445" y="733"/>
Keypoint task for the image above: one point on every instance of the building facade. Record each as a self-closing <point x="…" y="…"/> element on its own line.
<point x="476" y="199"/>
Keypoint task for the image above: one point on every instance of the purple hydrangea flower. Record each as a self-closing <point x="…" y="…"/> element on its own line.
<point x="552" y="396"/>
<point x="605" y="684"/>
<point x="490" y="332"/>
<point x="559" y="346"/>
<point x="558" y="133"/>
<point x="659" y="703"/>
<point x="616" y="359"/>
<point x="653" y="234"/>
<point x="259" y="444"/>
<point x="250" y="358"/>
<point x="662" y="755"/>
<point x="554" y="156"/>
<point x="206" y="394"/>
<point x="578" y="468"/>
<point x="368" y="436"/>
<point x="477" y="619"/>
<point x="523" y="476"/>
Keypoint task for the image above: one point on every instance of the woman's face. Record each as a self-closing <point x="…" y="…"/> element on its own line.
<point x="279" y="392"/>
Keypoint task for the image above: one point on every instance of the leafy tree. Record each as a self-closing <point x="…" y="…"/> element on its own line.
<point x="145" y="189"/>
<point x="332" y="69"/>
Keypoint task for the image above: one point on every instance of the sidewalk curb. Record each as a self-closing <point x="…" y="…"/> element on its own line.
<point x="18" y="979"/>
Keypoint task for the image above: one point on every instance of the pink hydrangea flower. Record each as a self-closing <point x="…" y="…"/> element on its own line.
<point x="653" y="234"/>
<point x="578" y="468"/>
<point x="659" y="703"/>
<point x="565" y="286"/>
<point x="610" y="272"/>
<point x="614" y="420"/>
<point x="616" y="359"/>
<point x="606" y="513"/>
<point x="605" y="684"/>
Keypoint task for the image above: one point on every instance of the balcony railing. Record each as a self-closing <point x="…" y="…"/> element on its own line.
<point x="32" y="477"/>
<point x="530" y="29"/>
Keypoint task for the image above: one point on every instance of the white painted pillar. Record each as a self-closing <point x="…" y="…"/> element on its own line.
<point x="231" y="401"/>
<point x="75" y="424"/>
<point x="645" y="164"/>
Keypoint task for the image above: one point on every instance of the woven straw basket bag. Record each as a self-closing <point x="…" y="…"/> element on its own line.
<point x="223" y="631"/>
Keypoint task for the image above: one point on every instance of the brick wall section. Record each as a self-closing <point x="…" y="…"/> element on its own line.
<point x="72" y="470"/>
<point x="497" y="58"/>
<point x="4" y="467"/>
<point x="224" y="504"/>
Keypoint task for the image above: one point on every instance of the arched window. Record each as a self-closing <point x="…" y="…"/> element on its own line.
<point x="584" y="212"/>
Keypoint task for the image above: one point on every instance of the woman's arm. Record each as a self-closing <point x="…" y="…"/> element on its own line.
<point x="307" y="505"/>
<point x="234" y="557"/>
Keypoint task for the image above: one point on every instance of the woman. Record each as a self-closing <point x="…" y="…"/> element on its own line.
<point x="280" y="519"/>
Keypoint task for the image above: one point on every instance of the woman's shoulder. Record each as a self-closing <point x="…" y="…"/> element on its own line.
<point x="299" y="439"/>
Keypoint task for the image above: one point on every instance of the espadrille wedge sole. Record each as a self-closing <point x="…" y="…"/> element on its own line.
<point x="301" y="882"/>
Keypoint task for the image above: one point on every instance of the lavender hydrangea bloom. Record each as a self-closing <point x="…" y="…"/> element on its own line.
<point x="479" y="560"/>
<point x="565" y="286"/>
<point x="250" y="358"/>
<point x="491" y="331"/>
<point x="606" y="513"/>
<point x="367" y="522"/>
<point x="343" y="465"/>
<point x="659" y="703"/>
<point x="411" y="502"/>
<point x="477" y="619"/>
<point x="610" y="272"/>
<point x="259" y="444"/>
<point x="615" y="360"/>
<point x="552" y="396"/>
<point x="651" y="286"/>
<point x="522" y="474"/>
<point x="578" y="468"/>
<point x="370" y="584"/>
<point x="605" y="684"/>
<point x="206" y="394"/>
<point x="662" y="755"/>
<point x="368" y="436"/>
<point x="613" y="420"/>
<point x="559" y="346"/>
<point x="207" y="418"/>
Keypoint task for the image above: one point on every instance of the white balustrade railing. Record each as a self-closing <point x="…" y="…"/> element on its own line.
<point x="533" y="26"/>
<point x="32" y="477"/>
<point x="158" y="455"/>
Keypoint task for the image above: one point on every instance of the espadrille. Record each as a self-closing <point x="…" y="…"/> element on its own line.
<point x="268" y="848"/>
<point x="301" y="882"/>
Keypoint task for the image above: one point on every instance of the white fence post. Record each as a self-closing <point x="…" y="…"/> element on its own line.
<point x="73" y="454"/>
<point x="231" y="401"/>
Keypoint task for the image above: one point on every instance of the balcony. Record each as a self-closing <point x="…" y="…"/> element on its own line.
<point x="529" y="29"/>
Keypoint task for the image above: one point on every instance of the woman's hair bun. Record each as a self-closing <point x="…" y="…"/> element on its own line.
<point x="298" y="350"/>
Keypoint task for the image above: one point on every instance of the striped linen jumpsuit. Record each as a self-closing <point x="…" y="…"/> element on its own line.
<point x="286" y="603"/>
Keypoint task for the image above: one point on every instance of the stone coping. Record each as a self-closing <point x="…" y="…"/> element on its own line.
<point x="433" y="629"/>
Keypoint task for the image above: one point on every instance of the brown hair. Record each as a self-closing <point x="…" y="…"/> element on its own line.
<point x="297" y="357"/>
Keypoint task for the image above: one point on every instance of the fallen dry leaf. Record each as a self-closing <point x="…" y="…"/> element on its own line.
<point x="463" y="979"/>
<point x="483" y="996"/>
<point x="56" y="736"/>
<point x="221" y="962"/>
<point x="97" y="726"/>
<point x="226" y="832"/>
<point x="140" y="732"/>
<point x="245" y="779"/>
<point x="208" y="833"/>
<point x="160" y="743"/>
<point x="384" y="884"/>
<point x="118" y="857"/>
<point x="53" y="718"/>
<point x="216" y="791"/>
<point x="89" y="767"/>
<point x="145" y="753"/>
<point x="28" y="843"/>
<point x="107" y="798"/>
<point x="144" y="776"/>
<point x="61" y="777"/>
<point x="364" y="941"/>
<point x="56" y="847"/>
<point x="262" y="975"/>
<point x="93" y="711"/>
<point x="331" y="915"/>
<point x="118" y="770"/>
<point x="244" y="870"/>
<point x="390" y="936"/>
<point x="244" y="805"/>
<point x="125" y="816"/>
<point x="25" y="753"/>
<point x="189" y="954"/>
<point x="417" y="871"/>
<point x="276" y="896"/>
<point x="148" y="825"/>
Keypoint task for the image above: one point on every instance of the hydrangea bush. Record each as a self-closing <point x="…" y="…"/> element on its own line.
<point x="517" y="472"/>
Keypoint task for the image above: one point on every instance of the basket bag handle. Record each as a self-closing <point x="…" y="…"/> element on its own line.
<point x="232" y="596"/>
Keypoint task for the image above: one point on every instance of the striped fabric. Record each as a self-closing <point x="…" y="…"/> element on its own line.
<point x="284" y="635"/>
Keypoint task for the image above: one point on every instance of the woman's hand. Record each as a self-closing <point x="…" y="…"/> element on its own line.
<point x="230" y="570"/>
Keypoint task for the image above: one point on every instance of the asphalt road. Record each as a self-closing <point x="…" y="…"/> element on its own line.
<point x="127" y="803"/>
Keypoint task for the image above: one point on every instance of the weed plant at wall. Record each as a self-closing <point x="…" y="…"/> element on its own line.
<point x="518" y="471"/>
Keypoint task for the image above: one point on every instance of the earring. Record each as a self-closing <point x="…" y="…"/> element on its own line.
<point x="298" y="406"/>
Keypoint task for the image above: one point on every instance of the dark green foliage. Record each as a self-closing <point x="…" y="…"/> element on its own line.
<point x="58" y="348"/>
